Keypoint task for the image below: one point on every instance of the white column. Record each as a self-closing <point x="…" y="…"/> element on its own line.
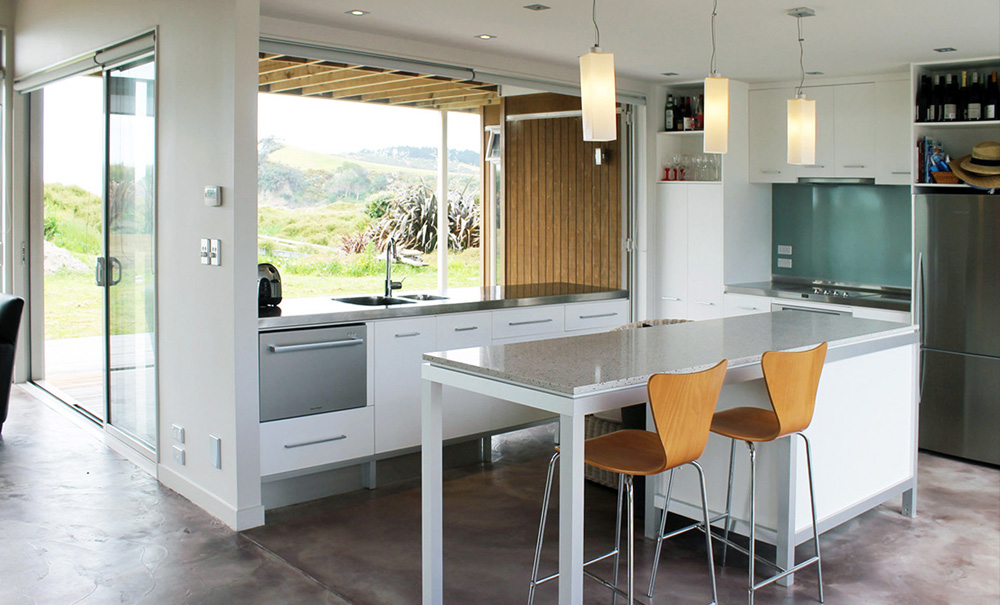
<point x="432" y="516"/>
<point x="442" y="209"/>
<point x="571" y="440"/>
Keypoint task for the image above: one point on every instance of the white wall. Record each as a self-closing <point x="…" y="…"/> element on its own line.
<point x="207" y="80"/>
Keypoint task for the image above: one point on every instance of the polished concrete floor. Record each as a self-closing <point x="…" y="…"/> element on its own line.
<point x="79" y="524"/>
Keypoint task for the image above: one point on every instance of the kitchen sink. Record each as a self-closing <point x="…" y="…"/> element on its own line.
<point x="423" y="297"/>
<point x="374" y="301"/>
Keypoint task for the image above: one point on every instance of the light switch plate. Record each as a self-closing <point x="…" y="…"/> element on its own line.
<point x="785" y="250"/>
<point x="178" y="433"/>
<point x="215" y="451"/>
<point x="784" y="263"/>
<point x="179" y="455"/>
<point x="204" y="251"/>
<point x="215" y="252"/>
<point x="213" y="195"/>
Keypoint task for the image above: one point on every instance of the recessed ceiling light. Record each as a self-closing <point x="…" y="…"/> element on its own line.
<point x="486" y="36"/>
<point x="814" y="73"/>
<point x="537" y="7"/>
<point x="670" y="73"/>
<point x="357" y="12"/>
<point x="945" y="49"/>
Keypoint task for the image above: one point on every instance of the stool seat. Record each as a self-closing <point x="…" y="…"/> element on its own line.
<point x="746" y="424"/>
<point x="630" y="452"/>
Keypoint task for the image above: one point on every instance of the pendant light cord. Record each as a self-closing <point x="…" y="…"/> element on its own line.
<point x="597" y="30"/>
<point x="715" y="11"/>
<point x="802" y="68"/>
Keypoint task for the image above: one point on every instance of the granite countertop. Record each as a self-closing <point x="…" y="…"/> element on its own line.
<point x="893" y="299"/>
<point x="300" y="312"/>
<point x="579" y="365"/>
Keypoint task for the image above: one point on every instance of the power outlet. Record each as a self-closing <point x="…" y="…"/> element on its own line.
<point x="215" y="451"/>
<point x="785" y="250"/>
<point x="215" y="252"/>
<point x="784" y="263"/>
<point x="178" y="433"/>
<point x="179" y="455"/>
<point x="204" y="251"/>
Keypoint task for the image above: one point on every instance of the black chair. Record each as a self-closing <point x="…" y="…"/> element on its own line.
<point x="10" y="321"/>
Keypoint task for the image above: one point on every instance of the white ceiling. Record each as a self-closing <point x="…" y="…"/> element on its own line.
<point x="756" y="39"/>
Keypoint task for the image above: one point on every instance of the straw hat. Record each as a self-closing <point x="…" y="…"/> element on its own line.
<point x="981" y="168"/>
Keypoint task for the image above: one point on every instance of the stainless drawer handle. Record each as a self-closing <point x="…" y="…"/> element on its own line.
<point x="705" y="302"/>
<point x="748" y="308"/>
<point x="598" y="315"/>
<point x="670" y="298"/>
<point x="770" y="172"/>
<point x="467" y="329"/>
<point x="854" y="165"/>
<point x="532" y="321"/>
<point x="290" y="446"/>
<point x="817" y="166"/>
<point x="312" y="346"/>
<point x="900" y="172"/>
<point x="407" y="334"/>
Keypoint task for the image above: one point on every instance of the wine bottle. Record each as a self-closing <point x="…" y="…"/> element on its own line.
<point x="963" y="98"/>
<point x="974" y="106"/>
<point x="923" y="100"/>
<point x="699" y="114"/>
<point x="668" y="116"/>
<point x="937" y="99"/>
<point x="950" y="101"/>
<point x="991" y="101"/>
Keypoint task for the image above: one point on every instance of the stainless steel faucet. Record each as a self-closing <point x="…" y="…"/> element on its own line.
<point x="390" y="250"/>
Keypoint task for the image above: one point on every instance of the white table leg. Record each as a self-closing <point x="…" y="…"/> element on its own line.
<point x="787" y="486"/>
<point x="571" y="438"/>
<point x="431" y="484"/>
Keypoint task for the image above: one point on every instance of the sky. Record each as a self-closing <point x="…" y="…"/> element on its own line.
<point x="330" y="126"/>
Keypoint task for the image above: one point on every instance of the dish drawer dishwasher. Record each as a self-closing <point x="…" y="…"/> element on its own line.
<point x="312" y="371"/>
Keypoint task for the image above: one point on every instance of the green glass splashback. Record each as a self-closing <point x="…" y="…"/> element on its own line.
<point x="844" y="233"/>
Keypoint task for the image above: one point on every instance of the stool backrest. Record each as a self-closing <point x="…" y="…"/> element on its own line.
<point x="792" y="380"/>
<point x="682" y="406"/>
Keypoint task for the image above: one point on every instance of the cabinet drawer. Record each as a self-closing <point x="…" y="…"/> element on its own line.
<point x="530" y="321"/>
<point x="297" y="443"/>
<point x="745" y="304"/>
<point x="461" y="330"/>
<point x="603" y="314"/>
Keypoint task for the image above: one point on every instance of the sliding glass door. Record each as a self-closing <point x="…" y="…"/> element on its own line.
<point x="98" y="217"/>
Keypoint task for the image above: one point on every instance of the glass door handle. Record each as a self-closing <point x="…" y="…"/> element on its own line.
<point x="99" y="271"/>
<point x="115" y="264"/>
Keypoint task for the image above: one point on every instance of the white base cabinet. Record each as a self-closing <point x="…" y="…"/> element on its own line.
<point x="295" y="443"/>
<point x="399" y="348"/>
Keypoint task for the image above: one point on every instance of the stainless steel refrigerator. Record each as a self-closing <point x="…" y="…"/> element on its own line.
<point x="957" y="303"/>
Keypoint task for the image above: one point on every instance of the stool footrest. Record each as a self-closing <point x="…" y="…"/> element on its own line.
<point x="590" y="562"/>
<point x="786" y="572"/>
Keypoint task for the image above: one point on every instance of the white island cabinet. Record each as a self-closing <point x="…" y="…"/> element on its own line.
<point x="863" y="432"/>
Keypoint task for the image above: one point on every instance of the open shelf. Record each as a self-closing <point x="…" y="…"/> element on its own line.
<point x="950" y="125"/>
<point x="680" y="133"/>
<point x="688" y="182"/>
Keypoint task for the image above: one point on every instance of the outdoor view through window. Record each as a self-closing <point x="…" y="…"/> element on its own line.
<point x="336" y="179"/>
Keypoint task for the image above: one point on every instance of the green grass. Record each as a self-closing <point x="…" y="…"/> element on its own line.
<point x="72" y="306"/>
<point x="325" y="225"/>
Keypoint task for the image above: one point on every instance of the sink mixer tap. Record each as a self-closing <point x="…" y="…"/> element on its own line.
<point x="390" y="250"/>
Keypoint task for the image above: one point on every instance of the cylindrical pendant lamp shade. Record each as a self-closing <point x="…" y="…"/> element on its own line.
<point x="716" y="114"/>
<point x="597" y="87"/>
<point x="801" y="130"/>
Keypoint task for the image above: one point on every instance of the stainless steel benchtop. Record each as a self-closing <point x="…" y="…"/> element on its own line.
<point x="890" y="300"/>
<point x="302" y="312"/>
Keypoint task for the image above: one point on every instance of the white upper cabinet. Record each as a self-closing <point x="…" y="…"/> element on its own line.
<point x="768" y="136"/>
<point x="854" y="137"/>
<point x="861" y="131"/>
<point x="826" y="162"/>
<point x="893" y="150"/>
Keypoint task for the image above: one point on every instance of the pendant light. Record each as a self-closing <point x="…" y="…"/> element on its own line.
<point x="716" y="104"/>
<point x="801" y="111"/>
<point x="597" y="87"/>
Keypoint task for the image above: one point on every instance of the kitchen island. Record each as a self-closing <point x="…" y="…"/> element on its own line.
<point x="864" y="430"/>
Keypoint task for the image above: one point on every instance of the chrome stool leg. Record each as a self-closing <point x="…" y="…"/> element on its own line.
<point x="630" y="539"/>
<point x="659" y="534"/>
<point x="708" y="531"/>
<point x="753" y="513"/>
<point x="729" y="502"/>
<point x="541" y="528"/>
<point x="618" y="533"/>
<point x="812" y="502"/>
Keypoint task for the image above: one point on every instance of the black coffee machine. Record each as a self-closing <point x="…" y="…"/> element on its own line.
<point x="268" y="285"/>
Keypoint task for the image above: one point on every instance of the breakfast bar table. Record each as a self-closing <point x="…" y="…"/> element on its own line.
<point x="871" y="369"/>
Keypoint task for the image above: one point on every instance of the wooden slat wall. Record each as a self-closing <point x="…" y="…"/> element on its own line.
<point x="563" y="212"/>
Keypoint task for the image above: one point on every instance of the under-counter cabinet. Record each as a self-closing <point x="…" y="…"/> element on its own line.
<point x="317" y="440"/>
<point x="399" y="348"/>
<point x="583" y="318"/>
<point x="464" y="413"/>
<point x="745" y="304"/>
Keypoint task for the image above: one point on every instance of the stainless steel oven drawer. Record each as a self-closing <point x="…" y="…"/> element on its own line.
<point x="313" y="371"/>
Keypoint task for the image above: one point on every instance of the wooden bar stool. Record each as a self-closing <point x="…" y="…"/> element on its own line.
<point x="682" y="406"/>
<point x="792" y="380"/>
